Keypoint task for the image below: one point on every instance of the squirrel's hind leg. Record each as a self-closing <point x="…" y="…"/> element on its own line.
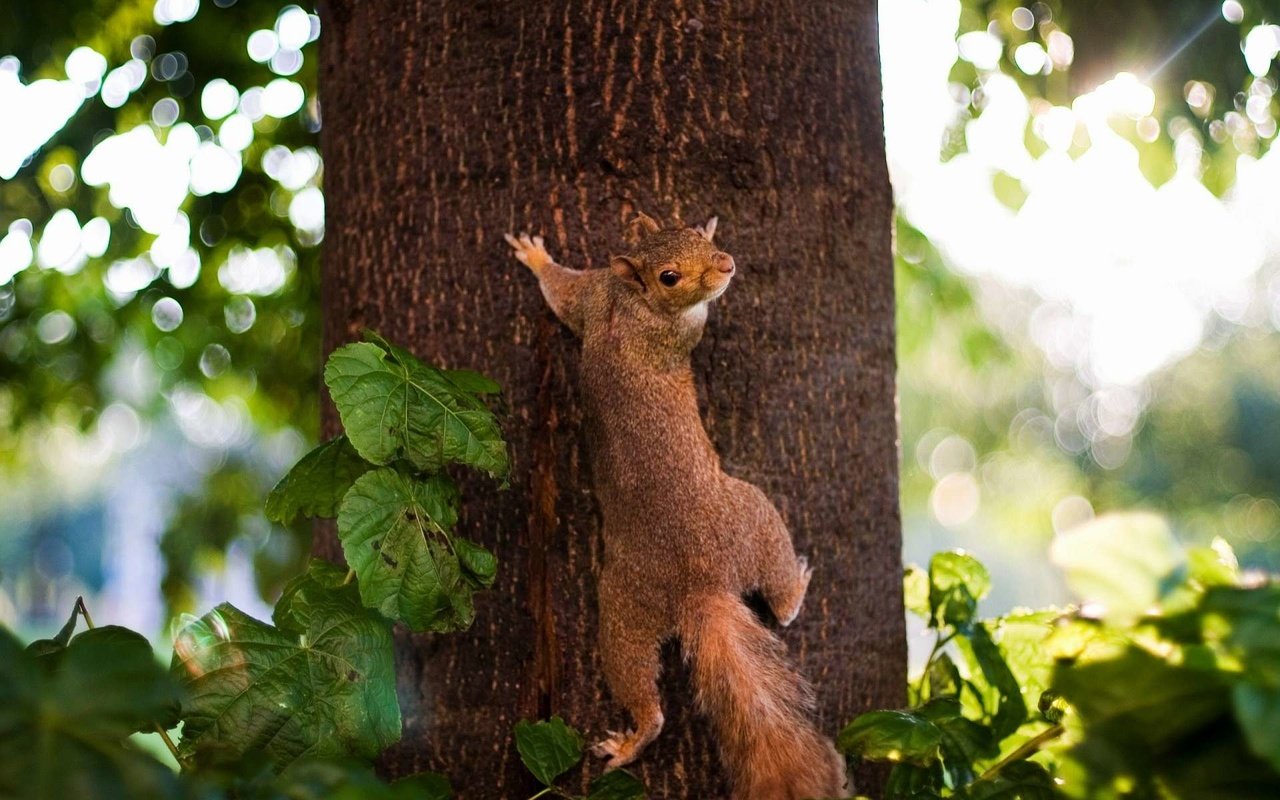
<point x="774" y="568"/>
<point x="785" y="583"/>
<point x="630" y="638"/>
<point x="784" y="576"/>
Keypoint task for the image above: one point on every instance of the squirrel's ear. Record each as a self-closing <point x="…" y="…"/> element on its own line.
<point x="645" y="223"/>
<point x="627" y="269"/>
<point x="708" y="231"/>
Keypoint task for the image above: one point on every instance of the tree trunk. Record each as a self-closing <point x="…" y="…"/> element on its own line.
<point x="448" y="122"/>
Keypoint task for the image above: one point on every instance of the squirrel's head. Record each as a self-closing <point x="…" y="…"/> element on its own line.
<point x="674" y="269"/>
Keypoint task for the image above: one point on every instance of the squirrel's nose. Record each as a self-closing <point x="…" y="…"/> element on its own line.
<point x="723" y="262"/>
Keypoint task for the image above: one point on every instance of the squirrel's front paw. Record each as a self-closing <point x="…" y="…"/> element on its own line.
<point x="620" y="748"/>
<point x="529" y="250"/>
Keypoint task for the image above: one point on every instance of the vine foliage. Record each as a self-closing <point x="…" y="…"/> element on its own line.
<point x="300" y="707"/>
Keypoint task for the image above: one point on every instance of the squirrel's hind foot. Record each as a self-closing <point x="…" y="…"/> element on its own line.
<point x="620" y="749"/>
<point x="787" y="611"/>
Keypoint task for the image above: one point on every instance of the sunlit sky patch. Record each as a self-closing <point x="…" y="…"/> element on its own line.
<point x="1129" y="274"/>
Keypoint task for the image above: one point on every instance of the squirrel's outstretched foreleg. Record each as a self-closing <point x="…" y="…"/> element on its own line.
<point x="561" y="286"/>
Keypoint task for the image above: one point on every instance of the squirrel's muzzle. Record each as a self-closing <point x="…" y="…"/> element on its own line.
<point x="723" y="262"/>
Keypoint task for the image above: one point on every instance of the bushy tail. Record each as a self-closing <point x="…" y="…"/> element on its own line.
<point x="759" y="706"/>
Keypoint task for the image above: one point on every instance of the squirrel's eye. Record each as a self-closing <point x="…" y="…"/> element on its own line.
<point x="669" y="277"/>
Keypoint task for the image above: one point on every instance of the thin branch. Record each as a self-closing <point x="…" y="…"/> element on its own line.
<point x="1029" y="748"/>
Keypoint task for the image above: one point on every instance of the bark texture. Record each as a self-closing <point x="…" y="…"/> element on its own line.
<point x="448" y="122"/>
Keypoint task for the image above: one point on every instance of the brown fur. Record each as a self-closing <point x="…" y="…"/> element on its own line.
<point x="683" y="540"/>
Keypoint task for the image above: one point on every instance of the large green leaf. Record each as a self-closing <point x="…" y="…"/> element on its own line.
<point x="395" y="535"/>
<point x="321" y="683"/>
<point x="1258" y="710"/>
<point x="1248" y="623"/>
<point x="899" y="736"/>
<point x="1011" y="708"/>
<point x="65" y="718"/>
<point x="394" y="406"/>
<point x="1120" y="561"/>
<point x="912" y="782"/>
<point x="1138" y="697"/>
<point x="316" y="484"/>
<point x="964" y="741"/>
<point x="548" y="748"/>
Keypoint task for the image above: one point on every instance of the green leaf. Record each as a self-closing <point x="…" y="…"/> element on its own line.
<point x="1139" y="698"/>
<point x="915" y="592"/>
<point x="473" y="382"/>
<point x="898" y="736"/>
<point x="479" y="564"/>
<point x="394" y="532"/>
<point x="1121" y="561"/>
<point x="1258" y="710"/>
<point x="316" y="484"/>
<point x="65" y="723"/>
<point x="911" y="782"/>
<point x="41" y="647"/>
<point x="1051" y="706"/>
<point x="1011" y="710"/>
<point x="1251" y="619"/>
<point x="944" y="677"/>
<point x="393" y="406"/>
<point x="321" y="683"/>
<point x="1214" y="565"/>
<point x="964" y="741"/>
<point x="548" y="748"/>
<point x="617" y="784"/>
<point x="1021" y="780"/>
<point x="956" y="583"/>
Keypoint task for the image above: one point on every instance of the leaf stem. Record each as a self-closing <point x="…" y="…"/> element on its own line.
<point x="164" y="735"/>
<point x="547" y="790"/>
<point x="1029" y="748"/>
<point x="351" y="575"/>
<point x="84" y="612"/>
<point x="939" y="642"/>
<point x="168" y="742"/>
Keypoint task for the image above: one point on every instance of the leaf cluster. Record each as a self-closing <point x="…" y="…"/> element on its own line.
<point x="384" y="481"/>
<point x="1163" y="683"/>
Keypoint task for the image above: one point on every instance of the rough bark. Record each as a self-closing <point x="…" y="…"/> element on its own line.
<point x="448" y="123"/>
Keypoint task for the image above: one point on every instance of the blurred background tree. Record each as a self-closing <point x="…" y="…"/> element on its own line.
<point x="1088" y="279"/>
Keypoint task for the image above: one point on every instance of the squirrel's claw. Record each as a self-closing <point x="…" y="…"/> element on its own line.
<point x="529" y="250"/>
<point x="619" y="749"/>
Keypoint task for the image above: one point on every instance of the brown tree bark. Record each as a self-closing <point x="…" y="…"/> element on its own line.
<point x="448" y="122"/>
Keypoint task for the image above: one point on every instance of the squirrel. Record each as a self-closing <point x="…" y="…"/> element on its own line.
<point x="684" y="542"/>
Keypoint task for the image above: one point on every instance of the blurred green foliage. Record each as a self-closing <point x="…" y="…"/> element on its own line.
<point x="255" y="353"/>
